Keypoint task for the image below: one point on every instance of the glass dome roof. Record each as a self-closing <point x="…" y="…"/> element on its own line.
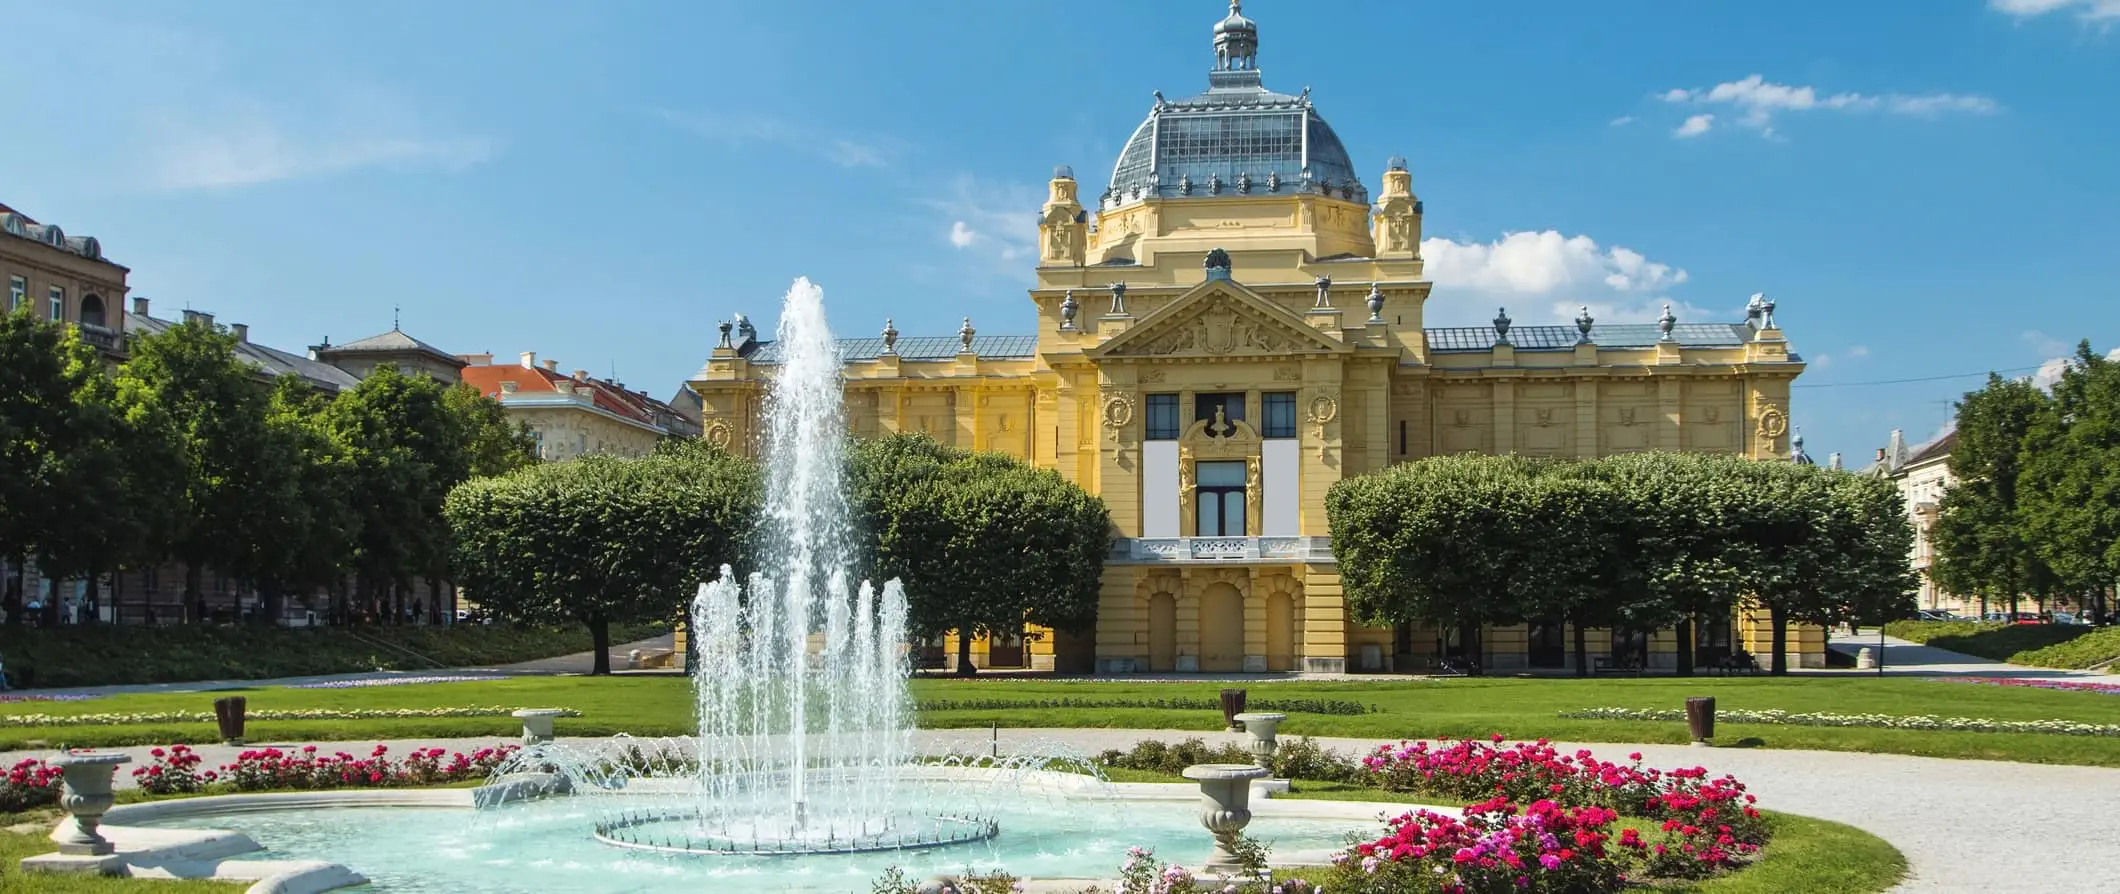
<point x="1236" y="139"/>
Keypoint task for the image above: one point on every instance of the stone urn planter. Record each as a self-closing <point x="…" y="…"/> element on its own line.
<point x="1262" y="728"/>
<point x="1232" y="705"/>
<point x="1225" y="808"/>
<point x="537" y="724"/>
<point x="85" y="795"/>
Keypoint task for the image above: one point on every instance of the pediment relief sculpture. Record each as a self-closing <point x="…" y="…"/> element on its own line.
<point x="1222" y="325"/>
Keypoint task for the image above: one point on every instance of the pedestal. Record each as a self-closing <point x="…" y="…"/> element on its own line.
<point x="1225" y="808"/>
<point x="537" y="724"/>
<point x="1262" y="728"/>
<point x="85" y="795"/>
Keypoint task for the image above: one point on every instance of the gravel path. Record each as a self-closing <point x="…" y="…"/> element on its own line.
<point x="1963" y="825"/>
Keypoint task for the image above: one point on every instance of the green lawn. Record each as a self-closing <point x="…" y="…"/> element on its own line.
<point x="1518" y="708"/>
<point x="2032" y="645"/>
<point x="26" y="835"/>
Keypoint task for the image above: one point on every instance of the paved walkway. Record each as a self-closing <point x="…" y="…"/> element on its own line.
<point x="1963" y="825"/>
<point x="577" y="663"/>
<point x="1903" y="658"/>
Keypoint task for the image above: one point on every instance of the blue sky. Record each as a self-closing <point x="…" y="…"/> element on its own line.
<point x="1925" y="186"/>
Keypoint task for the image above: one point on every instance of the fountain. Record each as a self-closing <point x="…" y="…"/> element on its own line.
<point x="804" y="719"/>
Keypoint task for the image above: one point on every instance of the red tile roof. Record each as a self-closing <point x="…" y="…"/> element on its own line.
<point x="529" y="380"/>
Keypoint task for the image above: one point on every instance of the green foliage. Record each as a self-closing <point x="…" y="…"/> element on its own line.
<point x="600" y="539"/>
<point x="1300" y="759"/>
<point x="1644" y="540"/>
<point x="984" y="543"/>
<point x="104" y="655"/>
<point x="2035" y="645"/>
<point x="492" y="445"/>
<point x="1981" y="545"/>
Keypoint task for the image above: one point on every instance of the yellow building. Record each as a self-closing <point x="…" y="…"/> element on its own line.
<point x="1233" y="325"/>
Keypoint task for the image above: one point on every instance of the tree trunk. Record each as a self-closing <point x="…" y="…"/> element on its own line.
<point x="1469" y="640"/>
<point x="51" y="602"/>
<point x="600" y="635"/>
<point x="194" y="599"/>
<point x="1779" y="619"/>
<point x="1582" y="650"/>
<point x="274" y="599"/>
<point x="18" y="567"/>
<point x="1685" y="646"/>
<point x="965" y="667"/>
<point x="92" y="599"/>
<point x="1983" y="608"/>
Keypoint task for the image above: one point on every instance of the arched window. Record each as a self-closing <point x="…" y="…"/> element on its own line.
<point x="92" y="310"/>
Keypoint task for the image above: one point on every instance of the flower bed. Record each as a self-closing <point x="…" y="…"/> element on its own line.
<point x="1337" y="707"/>
<point x="147" y="717"/>
<point x="29" y="783"/>
<point x="368" y="682"/>
<point x="1710" y="822"/>
<point x="1878" y="721"/>
<point x="176" y="770"/>
<point x="44" y="697"/>
<point x="2063" y="685"/>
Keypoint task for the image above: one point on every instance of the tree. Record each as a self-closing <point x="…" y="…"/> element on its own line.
<point x="1576" y="555"/>
<point x="307" y="482"/>
<point x="2069" y="500"/>
<point x="190" y="375"/>
<point x="1435" y="540"/>
<point x="404" y="453"/>
<point x="983" y="543"/>
<point x="1832" y="549"/>
<point x="1981" y="542"/>
<point x="1684" y="539"/>
<point x="492" y="444"/>
<point x="38" y="426"/>
<point x="119" y="476"/>
<point x="600" y="539"/>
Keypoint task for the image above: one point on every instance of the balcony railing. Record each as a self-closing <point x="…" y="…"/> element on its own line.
<point x="1169" y="550"/>
<point x="101" y="339"/>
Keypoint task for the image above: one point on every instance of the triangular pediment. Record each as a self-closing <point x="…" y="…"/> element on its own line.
<point x="1219" y="318"/>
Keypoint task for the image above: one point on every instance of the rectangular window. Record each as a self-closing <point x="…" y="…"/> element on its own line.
<point x="1162" y="417"/>
<point x="1280" y="411"/>
<point x="1205" y="405"/>
<point x="17" y="292"/>
<point x="58" y="294"/>
<point x="1219" y="506"/>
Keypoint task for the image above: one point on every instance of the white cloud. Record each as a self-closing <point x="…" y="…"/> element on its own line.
<point x="1695" y="125"/>
<point x="2087" y="10"/>
<point x="244" y="143"/>
<point x="740" y="130"/>
<point x="1858" y="352"/>
<point x="1622" y="121"/>
<point x="1554" y="275"/>
<point x="1757" y="101"/>
<point x="2044" y="343"/>
<point x="993" y="225"/>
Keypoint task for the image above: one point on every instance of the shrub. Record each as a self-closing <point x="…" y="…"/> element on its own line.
<point x="2043" y="645"/>
<point x="175" y="771"/>
<point x="1294" y="759"/>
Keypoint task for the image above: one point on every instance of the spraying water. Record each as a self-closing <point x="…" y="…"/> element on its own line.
<point x="801" y="677"/>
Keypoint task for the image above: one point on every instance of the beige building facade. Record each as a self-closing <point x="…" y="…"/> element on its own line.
<point x="62" y="277"/>
<point x="1232" y="326"/>
<point x="569" y="415"/>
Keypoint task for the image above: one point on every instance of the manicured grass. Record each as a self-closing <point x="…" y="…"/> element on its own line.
<point x="98" y="655"/>
<point x="1518" y="708"/>
<point x="2033" y="645"/>
<point x="26" y="834"/>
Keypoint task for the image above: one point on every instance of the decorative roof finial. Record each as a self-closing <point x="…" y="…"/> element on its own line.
<point x="964" y="335"/>
<point x="890" y="336"/>
<point x="1583" y="322"/>
<point x="1324" y="284"/>
<point x="1665" y="323"/>
<point x="1217" y="264"/>
<point x="1796" y="454"/>
<point x="1766" y="306"/>
<point x="1376" y="303"/>
<point x="725" y="327"/>
<point x="1118" y="299"/>
<point x="1068" y="309"/>
<point x="394" y="318"/>
<point x="1236" y="41"/>
<point x="1755" y="308"/>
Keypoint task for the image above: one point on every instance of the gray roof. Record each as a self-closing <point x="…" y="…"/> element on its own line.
<point x="1604" y="335"/>
<point x="392" y="342"/>
<point x="927" y="347"/>
<point x="270" y="362"/>
<point x="1237" y="129"/>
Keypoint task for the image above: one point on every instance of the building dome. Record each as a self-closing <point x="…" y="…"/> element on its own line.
<point x="1236" y="139"/>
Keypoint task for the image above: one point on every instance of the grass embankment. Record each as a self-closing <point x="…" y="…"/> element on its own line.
<point x="2032" y="645"/>
<point x="28" y="835"/>
<point x="1517" y="708"/>
<point x="98" y="655"/>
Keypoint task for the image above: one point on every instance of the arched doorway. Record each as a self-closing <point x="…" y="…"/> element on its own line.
<point x="1162" y="633"/>
<point x="92" y="310"/>
<point x="1280" y="632"/>
<point x="1221" y="628"/>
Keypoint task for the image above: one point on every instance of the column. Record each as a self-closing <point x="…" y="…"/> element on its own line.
<point x="1324" y="621"/>
<point x="1254" y="624"/>
<point x="1587" y="428"/>
<point x="1188" y="633"/>
<point x="1503" y="400"/>
<point x="1670" y="396"/>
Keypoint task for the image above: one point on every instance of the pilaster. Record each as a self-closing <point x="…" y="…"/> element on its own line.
<point x="1670" y="397"/>
<point x="1324" y="621"/>
<point x="1586" y="425"/>
<point x="1504" y="403"/>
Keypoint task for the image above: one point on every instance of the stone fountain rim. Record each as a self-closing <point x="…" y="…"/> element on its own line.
<point x="66" y="759"/>
<point x="1222" y="772"/>
<point x="1265" y="715"/>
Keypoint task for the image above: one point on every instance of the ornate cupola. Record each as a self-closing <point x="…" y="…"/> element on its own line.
<point x="1237" y="43"/>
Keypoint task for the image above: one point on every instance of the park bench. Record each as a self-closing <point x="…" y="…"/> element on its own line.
<point x="1606" y="666"/>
